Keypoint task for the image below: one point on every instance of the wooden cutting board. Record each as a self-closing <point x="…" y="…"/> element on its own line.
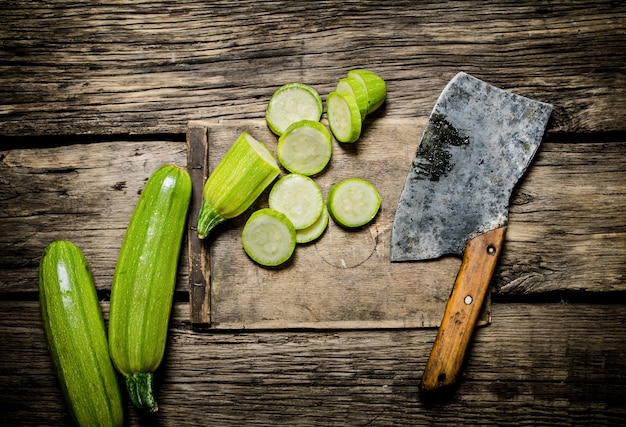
<point x="342" y="280"/>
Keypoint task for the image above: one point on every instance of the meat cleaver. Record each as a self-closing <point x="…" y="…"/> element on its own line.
<point x="478" y="142"/>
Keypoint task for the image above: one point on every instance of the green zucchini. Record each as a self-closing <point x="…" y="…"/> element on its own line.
<point x="144" y="281"/>
<point x="375" y="87"/>
<point x="269" y="237"/>
<point x="353" y="202"/>
<point x="239" y="178"/>
<point x="76" y="337"/>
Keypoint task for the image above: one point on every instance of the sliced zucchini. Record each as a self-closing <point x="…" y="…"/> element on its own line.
<point x="305" y="147"/>
<point x="268" y="237"/>
<point x="353" y="202"/>
<point x="313" y="231"/>
<point x="359" y="92"/>
<point x="291" y="103"/>
<point x="374" y="85"/>
<point x="344" y="116"/>
<point x="299" y="198"/>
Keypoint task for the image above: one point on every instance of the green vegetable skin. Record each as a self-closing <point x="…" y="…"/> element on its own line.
<point x="240" y="177"/>
<point x="144" y="281"/>
<point x="76" y="337"/>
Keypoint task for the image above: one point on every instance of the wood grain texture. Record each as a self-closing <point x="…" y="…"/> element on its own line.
<point x="85" y="193"/>
<point x="565" y="219"/>
<point x="567" y="227"/>
<point x="76" y="67"/>
<point x="199" y="272"/>
<point x="536" y="364"/>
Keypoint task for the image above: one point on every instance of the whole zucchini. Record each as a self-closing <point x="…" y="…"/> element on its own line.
<point x="76" y="337"/>
<point x="144" y="281"/>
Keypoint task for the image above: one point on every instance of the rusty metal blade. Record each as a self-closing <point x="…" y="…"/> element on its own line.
<point x="477" y="144"/>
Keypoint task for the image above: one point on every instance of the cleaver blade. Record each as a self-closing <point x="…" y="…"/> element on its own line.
<point x="477" y="144"/>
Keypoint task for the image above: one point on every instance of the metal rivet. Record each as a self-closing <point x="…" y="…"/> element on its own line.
<point x="491" y="250"/>
<point x="468" y="300"/>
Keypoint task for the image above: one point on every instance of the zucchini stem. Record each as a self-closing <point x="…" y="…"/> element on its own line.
<point x="141" y="391"/>
<point x="208" y="219"/>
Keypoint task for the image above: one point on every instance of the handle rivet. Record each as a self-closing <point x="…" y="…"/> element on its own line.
<point x="468" y="300"/>
<point x="491" y="250"/>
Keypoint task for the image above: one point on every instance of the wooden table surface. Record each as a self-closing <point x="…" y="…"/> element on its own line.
<point x="95" y="95"/>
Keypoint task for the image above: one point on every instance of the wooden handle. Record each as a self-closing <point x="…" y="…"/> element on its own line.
<point x="462" y="310"/>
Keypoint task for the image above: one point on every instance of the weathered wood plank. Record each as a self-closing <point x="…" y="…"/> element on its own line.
<point x="199" y="272"/>
<point x="73" y="67"/>
<point x="568" y="222"/>
<point x="567" y="225"/>
<point x="550" y="364"/>
<point x="84" y="193"/>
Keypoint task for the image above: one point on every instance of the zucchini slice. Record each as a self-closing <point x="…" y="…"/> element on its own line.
<point x="269" y="237"/>
<point x="298" y="197"/>
<point x="353" y="202"/>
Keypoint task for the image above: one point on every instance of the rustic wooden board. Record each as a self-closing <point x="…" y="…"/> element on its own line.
<point x="199" y="271"/>
<point x="150" y="66"/>
<point x="552" y="365"/>
<point x="344" y="279"/>
<point x="567" y="228"/>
